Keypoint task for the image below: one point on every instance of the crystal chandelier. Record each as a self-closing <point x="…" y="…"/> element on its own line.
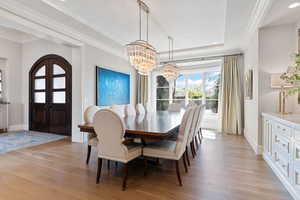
<point x="170" y="70"/>
<point x="142" y="55"/>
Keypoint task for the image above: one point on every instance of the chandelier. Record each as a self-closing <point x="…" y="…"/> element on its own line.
<point x="142" y="55"/>
<point x="170" y="70"/>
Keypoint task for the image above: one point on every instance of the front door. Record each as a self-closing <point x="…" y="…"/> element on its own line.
<point x="50" y="99"/>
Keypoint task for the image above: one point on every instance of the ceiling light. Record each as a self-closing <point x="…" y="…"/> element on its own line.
<point x="294" y="5"/>
<point x="142" y="55"/>
<point x="170" y="70"/>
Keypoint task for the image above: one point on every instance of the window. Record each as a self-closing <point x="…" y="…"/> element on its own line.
<point x="200" y="88"/>
<point x="162" y="93"/>
<point x="195" y="88"/>
<point x="179" y="90"/>
<point x="212" y="85"/>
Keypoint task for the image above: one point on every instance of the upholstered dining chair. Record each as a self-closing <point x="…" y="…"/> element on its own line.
<point x="119" y="109"/>
<point x="130" y="110"/>
<point x="193" y="132"/>
<point x="140" y="109"/>
<point x="92" y="137"/>
<point x="173" y="150"/>
<point x="199" y="123"/>
<point x="110" y="128"/>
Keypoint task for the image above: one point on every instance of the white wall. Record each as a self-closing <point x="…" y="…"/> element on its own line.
<point x="270" y="51"/>
<point x="276" y="47"/>
<point x="12" y="53"/>
<point x="95" y="57"/>
<point x="251" y="106"/>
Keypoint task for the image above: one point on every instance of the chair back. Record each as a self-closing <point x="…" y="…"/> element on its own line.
<point x="89" y="114"/>
<point x="194" y="125"/>
<point x="174" y="107"/>
<point x="140" y="109"/>
<point x="110" y="130"/>
<point x="130" y="110"/>
<point x="200" y="119"/>
<point x="119" y="109"/>
<point x="184" y="131"/>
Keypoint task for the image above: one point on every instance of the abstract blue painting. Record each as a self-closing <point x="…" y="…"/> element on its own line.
<point x="112" y="87"/>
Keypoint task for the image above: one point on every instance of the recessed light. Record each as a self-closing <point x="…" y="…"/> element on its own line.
<point x="294" y="5"/>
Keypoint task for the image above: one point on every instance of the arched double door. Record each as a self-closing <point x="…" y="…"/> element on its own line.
<point x="50" y="99"/>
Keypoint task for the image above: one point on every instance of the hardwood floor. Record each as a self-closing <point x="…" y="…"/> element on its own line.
<point x="225" y="169"/>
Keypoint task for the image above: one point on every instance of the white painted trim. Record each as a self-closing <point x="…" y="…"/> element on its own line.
<point x="259" y="12"/>
<point x="18" y="127"/>
<point x="283" y="180"/>
<point x="30" y="18"/>
<point x="254" y="145"/>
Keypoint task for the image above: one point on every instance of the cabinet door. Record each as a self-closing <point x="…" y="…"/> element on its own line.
<point x="296" y="167"/>
<point x="267" y="137"/>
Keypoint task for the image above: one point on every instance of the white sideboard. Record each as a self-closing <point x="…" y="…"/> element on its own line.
<point x="281" y="149"/>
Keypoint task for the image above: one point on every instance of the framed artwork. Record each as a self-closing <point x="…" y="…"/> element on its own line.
<point x="249" y="84"/>
<point x="113" y="88"/>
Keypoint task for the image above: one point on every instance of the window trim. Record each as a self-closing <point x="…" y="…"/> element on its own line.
<point x="186" y="72"/>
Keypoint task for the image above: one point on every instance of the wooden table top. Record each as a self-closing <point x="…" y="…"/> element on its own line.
<point x="160" y="124"/>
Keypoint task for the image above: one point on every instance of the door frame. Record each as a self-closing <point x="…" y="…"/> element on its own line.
<point x="69" y="95"/>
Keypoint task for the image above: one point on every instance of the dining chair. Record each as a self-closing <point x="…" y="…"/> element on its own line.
<point x="140" y="109"/>
<point x="174" y="107"/>
<point x="92" y="137"/>
<point x="193" y="132"/>
<point x="173" y="150"/>
<point x="119" y="109"/>
<point x="199" y="123"/>
<point x="130" y="110"/>
<point x="110" y="127"/>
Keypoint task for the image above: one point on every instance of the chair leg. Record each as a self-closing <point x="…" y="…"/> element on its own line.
<point x="184" y="162"/>
<point x="178" y="173"/>
<point x="201" y="135"/>
<point x="88" y="154"/>
<point x="108" y="164"/>
<point x="191" y="145"/>
<point x="196" y="141"/>
<point x="99" y="170"/>
<point x="187" y="156"/>
<point x="125" y="176"/>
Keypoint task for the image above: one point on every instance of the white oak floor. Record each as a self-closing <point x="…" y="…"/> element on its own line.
<point x="224" y="169"/>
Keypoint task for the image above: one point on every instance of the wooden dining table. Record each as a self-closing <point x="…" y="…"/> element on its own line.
<point x="159" y="125"/>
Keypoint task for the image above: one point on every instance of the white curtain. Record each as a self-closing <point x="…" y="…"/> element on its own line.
<point x="231" y="99"/>
<point x="142" y="89"/>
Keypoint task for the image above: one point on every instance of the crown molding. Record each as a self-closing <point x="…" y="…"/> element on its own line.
<point x="30" y="18"/>
<point x="258" y="14"/>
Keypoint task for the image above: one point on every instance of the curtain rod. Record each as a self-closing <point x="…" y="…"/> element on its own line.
<point x="201" y="58"/>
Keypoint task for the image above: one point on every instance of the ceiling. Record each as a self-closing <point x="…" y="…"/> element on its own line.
<point x="194" y="24"/>
<point x="14" y="35"/>
<point x="280" y="13"/>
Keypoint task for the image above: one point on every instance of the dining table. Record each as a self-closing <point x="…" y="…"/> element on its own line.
<point x="159" y="125"/>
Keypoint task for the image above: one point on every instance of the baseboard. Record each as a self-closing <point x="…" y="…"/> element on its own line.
<point x="17" y="127"/>
<point x="258" y="149"/>
<point x="283" y="180"/>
